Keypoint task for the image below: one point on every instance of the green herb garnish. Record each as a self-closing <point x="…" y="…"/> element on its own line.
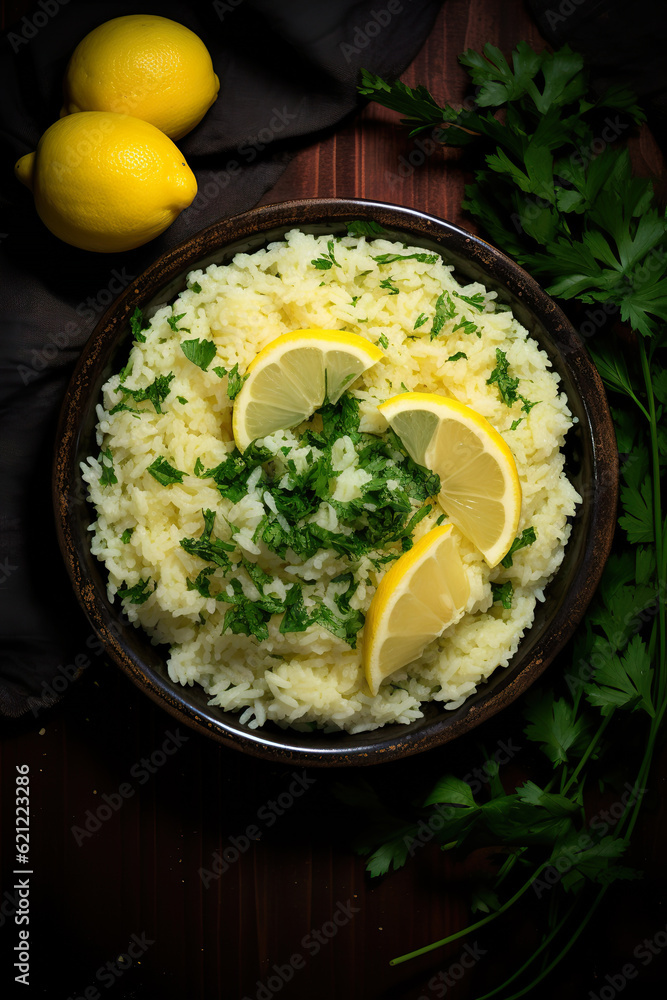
<point x="137" y="594"/>
<point x="199" y="352"/>
<point x="107" y="475"/>
<point x="165" y="473"/>
<point x="387" y="283"/>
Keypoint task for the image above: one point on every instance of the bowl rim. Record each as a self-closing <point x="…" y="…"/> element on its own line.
<point x="358" y="749"/>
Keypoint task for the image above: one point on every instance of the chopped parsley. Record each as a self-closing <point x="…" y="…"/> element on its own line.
<point x="326" y="260"/>
<point x="137" y="324"/>
<point x="126" y="536"/>
<point x="173" y="321"/>
<point x="360" y="227"/>
<point x="527" y="537"/>
<point x="107" y="475"/>
<point x="444" y="310"/>
<point x="383" y="342"/>
<point x="213" y="550"/>
<point x="201" y="584"/>
<point x="387" y="284"/>
<point x="459" y="356"/>
<point x="165" y="473"/>
<point x="195" y="287"/>
<point x="476" y="300"/>
<point x="199" y="352"/>
<point x="137" y="594"/>
<point x="423" y="258"/>
<point x="503" y="593"/>
<point x="156" y="392"/>
<point x="234" y="380"/>
<point x="421" y="319"/>
<point x="467" y="326"/>
<point x="182" y="400"/>
<point x="507" y="386"/>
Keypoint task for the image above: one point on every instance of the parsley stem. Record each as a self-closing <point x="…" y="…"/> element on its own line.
<point x="657" y="518"/>
<point x="563" y="952"/>
<point x="589" y="750"/>
<point x="473" y="927"/>
<point x="538" y="951"/>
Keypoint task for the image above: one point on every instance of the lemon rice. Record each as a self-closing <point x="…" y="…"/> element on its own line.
<point x="165" y="426"/>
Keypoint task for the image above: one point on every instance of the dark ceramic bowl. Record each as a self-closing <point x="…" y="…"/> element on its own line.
<point x="592" y="464"/>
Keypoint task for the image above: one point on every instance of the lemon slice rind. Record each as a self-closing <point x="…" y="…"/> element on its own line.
<point x="290" y="378"/>
<point x="480" y="488"/>
<point x="423" y="593"/>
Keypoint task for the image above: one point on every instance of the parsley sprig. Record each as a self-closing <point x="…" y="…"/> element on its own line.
<point x="579" y="220"/>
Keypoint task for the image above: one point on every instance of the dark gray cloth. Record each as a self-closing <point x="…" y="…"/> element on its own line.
<point x="288" y="70"/>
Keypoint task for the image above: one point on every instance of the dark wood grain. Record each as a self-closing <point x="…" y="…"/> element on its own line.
<point x="139" y="873"/>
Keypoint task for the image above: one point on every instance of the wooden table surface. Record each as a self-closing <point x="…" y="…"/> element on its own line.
<point x="292" y="914"/>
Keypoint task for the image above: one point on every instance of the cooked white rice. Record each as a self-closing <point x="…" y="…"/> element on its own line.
<point x="312" y="678"/>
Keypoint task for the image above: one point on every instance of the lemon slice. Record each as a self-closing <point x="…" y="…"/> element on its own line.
<point x="291" y="376"/>
<point x="422" y="593"/>
<point x="479" y="484"/>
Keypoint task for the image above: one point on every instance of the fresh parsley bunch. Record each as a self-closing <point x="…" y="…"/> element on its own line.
<point x="553" y="187"/>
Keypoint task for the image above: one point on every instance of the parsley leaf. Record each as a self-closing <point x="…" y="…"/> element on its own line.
<point x="199" y="352"/>
<point x="476" y="300"/>
<point x="503" y="593"/>
<point x="507" y="386"/>
<point x="165" y="473"/>
<point x="459" y="356"/>
<point x="383" y="342"/>
<point x="423" y="258"/>
<point x="527" y="537"/>
<point x="173" y="321"/>
<point x="360" y="227"/>
<point x="234" y="380"/>
<point x="326" y="260"/>
<point x="387" y="284"/>
<point x="137" y="325"/>
<point x="555" y="725"/>
<point x="156" y="393"/>
<point x="421" y="319"/>
<point x="624" y="681"/>
<point x="107" y="475"/>
<point x="213" y="550"/>
<point x="126" y="536"/>
<point x="444" y="310"/>
<point x="137" y="594"/>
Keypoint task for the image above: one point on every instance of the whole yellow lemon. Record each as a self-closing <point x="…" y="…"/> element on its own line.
<point x="107" y="182"/>
<point x="143" y="65"/>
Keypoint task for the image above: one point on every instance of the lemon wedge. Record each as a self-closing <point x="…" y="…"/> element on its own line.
<point x="479" y="484"/>
<point x="291" y="377"/>
<point x="423" y="592"/>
